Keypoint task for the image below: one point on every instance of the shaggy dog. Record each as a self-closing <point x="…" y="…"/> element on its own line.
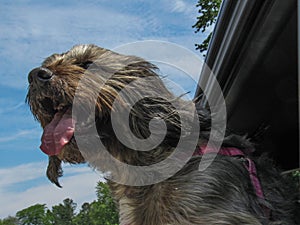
<point x="233" y="189"/>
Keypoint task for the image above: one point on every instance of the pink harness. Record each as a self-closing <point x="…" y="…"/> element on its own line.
<point x="230" y="151"/>
<point x="250" y="166"/>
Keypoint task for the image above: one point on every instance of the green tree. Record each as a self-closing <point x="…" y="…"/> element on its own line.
<point x="208" y="10"/>
<point x="9" y="221"/>
<point x="63" y="214"/>
<point x="33" y="215"/>
<point x="83" y="217"/>
<point x="107" y="204"/>
<point x="100" y="212"/>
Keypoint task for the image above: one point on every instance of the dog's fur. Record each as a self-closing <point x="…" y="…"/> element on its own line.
<point x="221" y="194"/>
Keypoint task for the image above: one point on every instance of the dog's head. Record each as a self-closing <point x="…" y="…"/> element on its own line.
<point x="80" y="73"/>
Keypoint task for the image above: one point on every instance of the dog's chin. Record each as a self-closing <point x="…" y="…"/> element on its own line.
<point x="69" y="154"/>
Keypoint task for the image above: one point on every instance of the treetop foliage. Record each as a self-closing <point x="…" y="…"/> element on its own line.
<point x="100" y="212"/>
<point x="208" y="12"/>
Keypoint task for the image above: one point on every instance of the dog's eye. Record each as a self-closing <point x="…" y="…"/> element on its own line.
<point x="85" y="65"/>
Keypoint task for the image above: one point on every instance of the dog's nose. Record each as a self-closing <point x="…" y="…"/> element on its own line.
<point x="40" y="73"/>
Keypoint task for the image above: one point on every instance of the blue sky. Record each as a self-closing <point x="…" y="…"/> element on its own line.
<point x="31" y="30"/>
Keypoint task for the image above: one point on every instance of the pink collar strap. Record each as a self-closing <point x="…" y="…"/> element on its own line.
<point x="231" y="151"/>
<point x="250" y="166"/>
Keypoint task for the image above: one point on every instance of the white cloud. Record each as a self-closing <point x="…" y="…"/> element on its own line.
<point x="183" y="6"/>
<point x="55" y="26"/>
<point x="179" y="6"/>
<point x="20" y="173"/>
<point x="80" y="187"/>
<point x="20" y="134"/>
<point x="33" y="32"/>
<point x="10" y="108"/>
<point x="11" y="105"/>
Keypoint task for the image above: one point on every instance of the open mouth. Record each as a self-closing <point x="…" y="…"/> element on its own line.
<point x="58" y="140"/>
<point x="59" y="131"/>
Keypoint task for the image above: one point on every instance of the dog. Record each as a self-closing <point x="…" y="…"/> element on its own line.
<point x="98" y="106"/>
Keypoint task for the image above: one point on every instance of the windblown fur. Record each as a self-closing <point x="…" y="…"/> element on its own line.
<point x="221" y="194"/>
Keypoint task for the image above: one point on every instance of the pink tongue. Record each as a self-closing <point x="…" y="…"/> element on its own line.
<point x="57" y="133"/>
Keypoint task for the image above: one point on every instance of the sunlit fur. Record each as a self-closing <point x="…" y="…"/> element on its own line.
<point x="222" y="194"/>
